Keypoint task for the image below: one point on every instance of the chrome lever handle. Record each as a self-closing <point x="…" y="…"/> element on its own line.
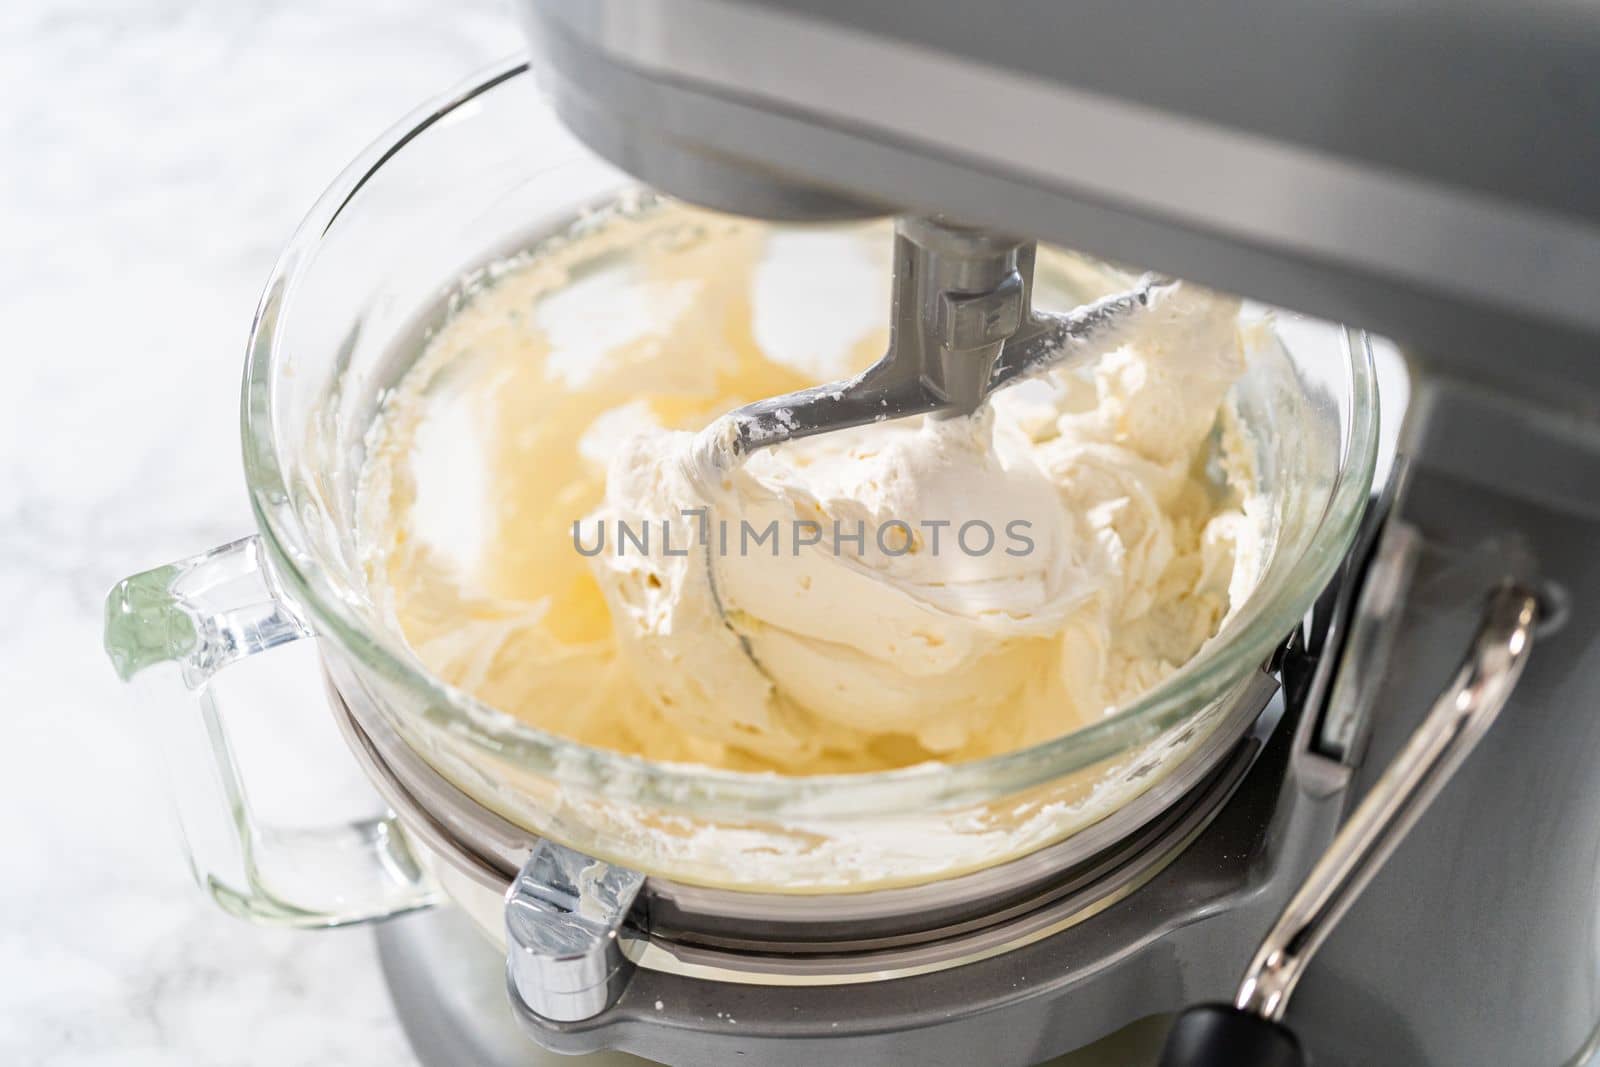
<point x="1458" y="718"/>
<point x="1250" y="1033"/>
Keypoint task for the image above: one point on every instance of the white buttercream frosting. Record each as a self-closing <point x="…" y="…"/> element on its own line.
<point x="1019" y="573"/>
<point x="967" y="575"/>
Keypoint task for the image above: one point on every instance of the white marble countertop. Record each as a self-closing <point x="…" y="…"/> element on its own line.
<point x="157" y="155"/>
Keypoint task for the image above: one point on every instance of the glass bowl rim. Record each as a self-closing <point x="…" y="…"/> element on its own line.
<point x="699" y="789"/>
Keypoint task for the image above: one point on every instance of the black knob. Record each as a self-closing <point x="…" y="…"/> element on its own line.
<point x="1220" y="1035"/>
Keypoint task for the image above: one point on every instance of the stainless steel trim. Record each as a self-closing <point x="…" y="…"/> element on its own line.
<point x="1364" y="656"/>
<point x="1458" y="718"/>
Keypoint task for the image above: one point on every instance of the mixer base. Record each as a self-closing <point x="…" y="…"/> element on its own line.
<point x="1064" y="990"/>
<point x="449" y="991"/>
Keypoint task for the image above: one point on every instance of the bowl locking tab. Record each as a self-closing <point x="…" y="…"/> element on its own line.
<point x="566" y="932"/>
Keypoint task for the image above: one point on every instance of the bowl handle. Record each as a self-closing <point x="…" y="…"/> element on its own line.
<point x="171" y="633"/>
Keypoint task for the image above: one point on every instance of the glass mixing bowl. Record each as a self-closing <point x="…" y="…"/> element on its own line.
<point x="399" y="239"/>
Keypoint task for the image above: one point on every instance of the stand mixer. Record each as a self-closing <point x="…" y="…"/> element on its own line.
<point x="1354" y="163"/>
<point x="1006" y="118"/>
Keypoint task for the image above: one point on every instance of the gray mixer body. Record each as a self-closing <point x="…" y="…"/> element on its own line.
<point x="1430" y="171"/>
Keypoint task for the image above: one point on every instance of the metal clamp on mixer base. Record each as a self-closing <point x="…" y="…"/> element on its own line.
<point x="566" y="932"/>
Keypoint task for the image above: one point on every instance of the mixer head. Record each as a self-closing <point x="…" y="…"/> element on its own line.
<point x="1349" y="161"/>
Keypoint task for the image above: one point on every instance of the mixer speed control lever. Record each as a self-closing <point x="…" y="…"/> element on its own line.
<point x="1250" y="1032"/>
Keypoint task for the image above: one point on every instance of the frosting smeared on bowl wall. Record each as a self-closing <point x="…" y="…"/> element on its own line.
<point x="763" y="633"/>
